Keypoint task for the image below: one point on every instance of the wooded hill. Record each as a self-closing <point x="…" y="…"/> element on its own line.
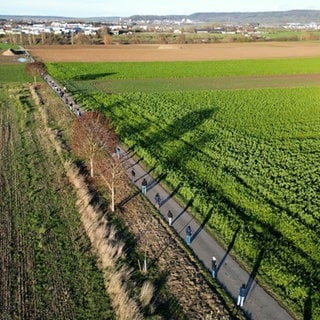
<point x="266" y="17"/>
<point x="270" y="17"/>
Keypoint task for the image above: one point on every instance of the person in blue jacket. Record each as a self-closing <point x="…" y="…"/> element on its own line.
<point x="242" y="295"/>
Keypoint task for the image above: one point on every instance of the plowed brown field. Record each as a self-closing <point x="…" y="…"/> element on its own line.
<point x="191" y="52"/>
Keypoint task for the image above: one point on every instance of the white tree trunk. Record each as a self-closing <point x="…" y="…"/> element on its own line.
<point x="91" y="167"/>
<point x="113" y="191"/>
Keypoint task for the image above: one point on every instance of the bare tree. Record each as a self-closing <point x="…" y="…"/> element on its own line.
<point x="93" y="134"/>
<point x="94" y="139"/>
<point x="35" y="69"/>
<point x="112" y="175"/>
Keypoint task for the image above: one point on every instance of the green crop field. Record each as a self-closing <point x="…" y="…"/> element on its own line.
<point x="14" y="73"/>
<point x="246" y="154"/>
<point x="70" y="71"/>
<point x="6" y="46"/>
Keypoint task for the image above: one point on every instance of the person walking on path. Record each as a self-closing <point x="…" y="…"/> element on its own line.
<point x="118" y="152"/>
<point x="157" y="200"/>
<point x="144" y="186"/>
<point x="242" y="295"/>
<point x="214" y="267"/>
<point x="170" y="216"/>
<point x="133" y="175"/>
<point x="188" y="235"/>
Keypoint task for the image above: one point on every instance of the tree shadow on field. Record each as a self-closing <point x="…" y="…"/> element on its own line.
<point x="170" y="144"/>
<point x="204" y="222"/>
<point x="264" y="252"/>
<point x="307" y="312"/>
<point x="126" y="200"/>
<point x="154" y="137"/>
<point x="167" y="305"/>
<point x="230" y="246"/>
<point x="255" y="270"/>
<point x="171" y="195"/>
<point x="92" y="76"/>
<point x="156" y="181"/>
<point x="188" y="205"/>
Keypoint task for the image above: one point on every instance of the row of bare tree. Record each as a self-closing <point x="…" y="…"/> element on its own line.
<point x="94" y="140"/>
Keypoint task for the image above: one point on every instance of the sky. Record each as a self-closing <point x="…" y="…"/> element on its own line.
<point x="125" y="8"/>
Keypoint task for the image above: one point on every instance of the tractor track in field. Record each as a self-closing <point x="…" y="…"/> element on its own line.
<point x="19" y="298"/>
<point x="16" y="255"/>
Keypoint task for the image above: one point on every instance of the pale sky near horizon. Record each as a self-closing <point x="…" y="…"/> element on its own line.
<point x="125" y="8"/>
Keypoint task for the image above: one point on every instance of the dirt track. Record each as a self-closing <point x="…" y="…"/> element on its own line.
<point x="158" y="52"/>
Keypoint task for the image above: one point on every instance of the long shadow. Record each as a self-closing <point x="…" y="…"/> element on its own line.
<point x="127" y="156"/>
<point x="204" y="222"/>
<point x="169" y="308"/>
<point x="307" y="310"/>
<point x="126" y="200"/>
<point x="93" y="76"/>
<point x="255" y="270"/>
<point x="164" y="136"/>
<point x="137" y="161"/>
<point x="164" y="248"/>
<point x="171" y="195"/>
<point x="189" y="204"/>
<point x="154" y="182"/>
<point x="146" y="174"/>
<point x="230" y="246"/>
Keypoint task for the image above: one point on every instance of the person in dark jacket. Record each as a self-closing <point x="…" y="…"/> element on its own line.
<point x="157" y="200"/>
<point x="144" y="186"/>
<point x="170" y="217"/>
<point x="133" y="175"/>
<point x="188" y="235"/>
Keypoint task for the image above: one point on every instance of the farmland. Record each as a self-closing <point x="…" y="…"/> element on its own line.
<point x="54" y="236"/>
<point x="14" y="73"/>
<point x="246" y="155"/>
<point x="181" y="52"/>
<point x="46" y="264"/>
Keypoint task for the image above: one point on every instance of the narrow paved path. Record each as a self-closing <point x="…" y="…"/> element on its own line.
<point x="258" y="305"/>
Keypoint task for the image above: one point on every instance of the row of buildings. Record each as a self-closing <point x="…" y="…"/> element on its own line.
<point x="127" y="26"/>
<point x="52" y="27"/>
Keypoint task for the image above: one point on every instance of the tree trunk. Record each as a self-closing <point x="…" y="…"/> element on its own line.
<point x="112" y="198"/>
<point x="91" y="167"/>
<point x="112" y="192"/>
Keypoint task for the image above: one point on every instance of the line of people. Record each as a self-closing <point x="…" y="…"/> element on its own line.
<point x="214" y="268"/>
<point x="62" y="92"/>
<point x="144" y="184"/>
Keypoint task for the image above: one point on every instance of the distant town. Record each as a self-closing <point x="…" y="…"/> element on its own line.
<point x="48" y="30"/>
